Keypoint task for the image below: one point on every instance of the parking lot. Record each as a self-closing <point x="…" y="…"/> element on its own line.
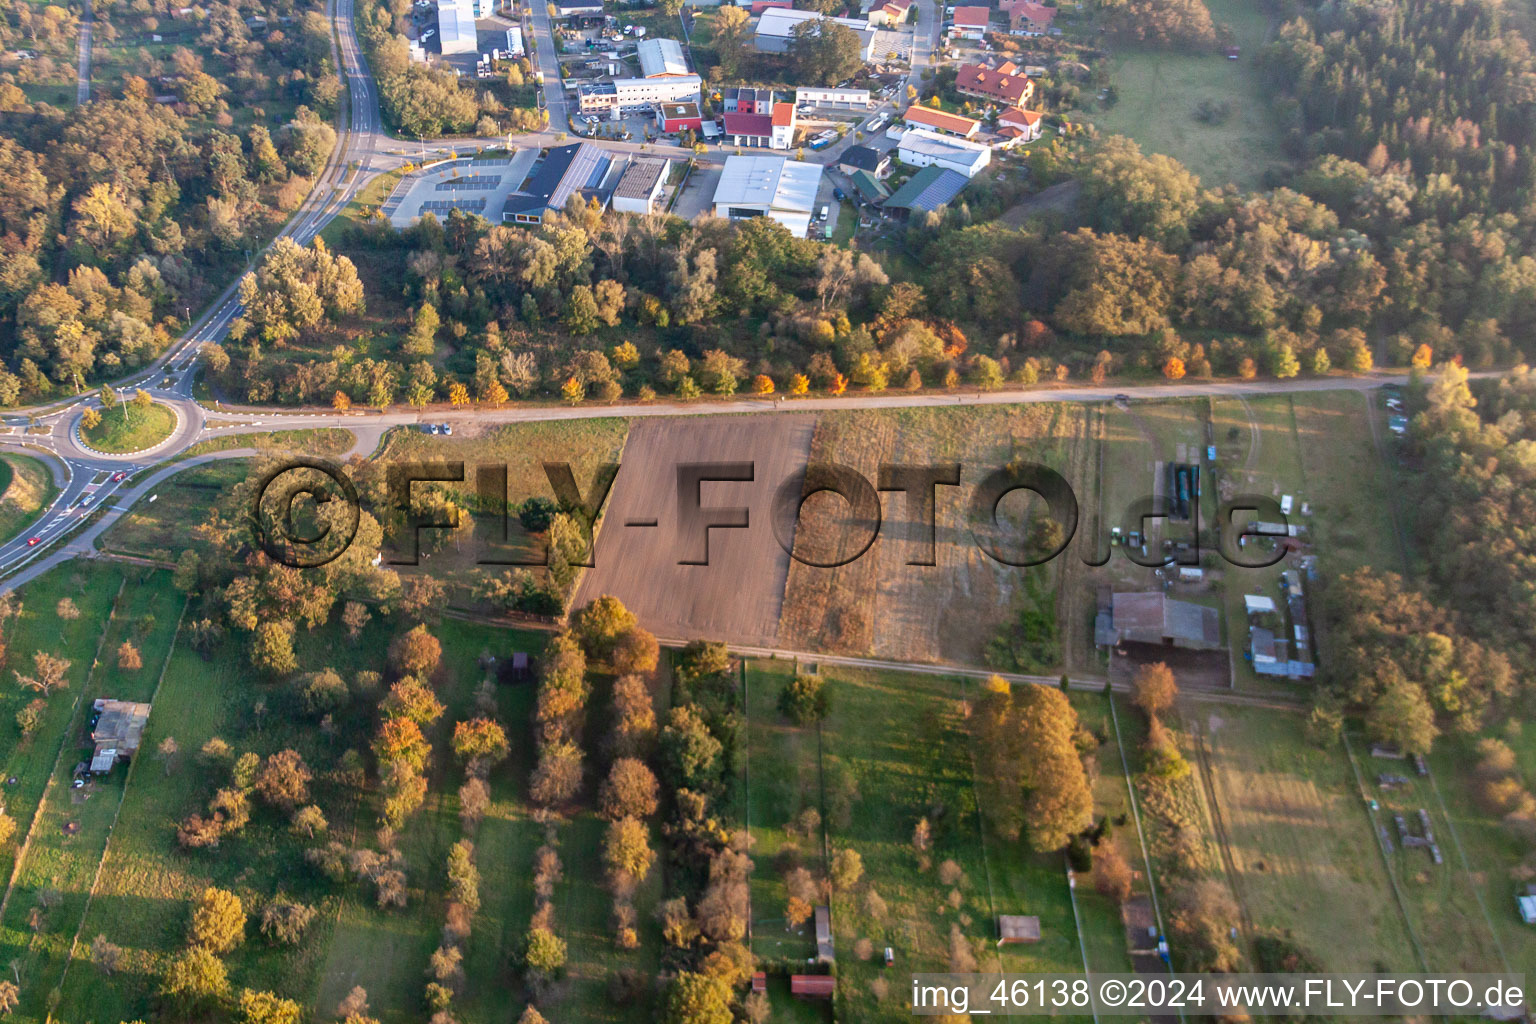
<point x="698" y="194"/>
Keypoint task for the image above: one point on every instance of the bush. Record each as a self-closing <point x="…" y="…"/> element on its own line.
<point x="804" y="700"/>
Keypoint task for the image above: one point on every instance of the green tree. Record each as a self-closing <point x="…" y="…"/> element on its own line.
<point x="580" y="315"/>
<point x="697" y="999"/>
<point x="480" y="739"/>
<point x="218" y="921"/>
<point x="195" y="979"/>
<point x="599" y="625"/>
<point x="543" y="952"/>
<point x="267" y="1008"/>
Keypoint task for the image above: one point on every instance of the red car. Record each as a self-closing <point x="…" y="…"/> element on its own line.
<point x="118" y="476"/>
<point x="34" y="541"/>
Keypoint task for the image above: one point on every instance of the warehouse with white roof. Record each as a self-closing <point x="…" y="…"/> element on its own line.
<point x="776" y="27"/>
<point x="661" y="58"/>
<point x="776" y="187"/>
<point x="456" y="26"/>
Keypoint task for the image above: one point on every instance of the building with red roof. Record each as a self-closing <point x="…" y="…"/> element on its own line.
<point x="941" y="121"/>
<point x="812" y="986"/>
<point x="1025" y="17"/>
<point x="970" y="22"/>
<point x="1000" y="85"/>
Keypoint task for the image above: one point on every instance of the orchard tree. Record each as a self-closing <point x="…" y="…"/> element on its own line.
<point x="195" y="979"/>
<point x="416" y="653"/>
<point x="600" y="624"/>
<point x="627" y="852"/>
<point x="698" y="999"/>
<point x="480" y="739"/>
<point x="218" y="921"/>
<point x="283" y="780"/>
<point x="630" y="790"/>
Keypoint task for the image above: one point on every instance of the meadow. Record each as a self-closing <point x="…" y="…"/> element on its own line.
<point x="893" y="750"/>
<point x="26" y="488"/>
<point x="1159" y="92"/>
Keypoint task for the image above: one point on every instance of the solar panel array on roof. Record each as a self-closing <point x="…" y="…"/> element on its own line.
<point x="448" y="205"/>
<point x="473" y="183"/>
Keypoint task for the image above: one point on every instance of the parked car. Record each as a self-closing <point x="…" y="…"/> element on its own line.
<point x="446" y="428"/>
<point x="837" y="194"/>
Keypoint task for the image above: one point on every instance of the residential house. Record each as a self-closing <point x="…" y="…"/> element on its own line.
<point x="1027" y="18"/>
<point x="746" y="100"/>
<point x="1004" y="84"/>
<point x="941" y="121"/>
<point x="920" y="147"/>
<point x="863" y="158"/>
<point x="775" y="130"/>
<point x="1019" y="125"/>
<point x="970" y="22"/>
<point x="888" y="13"/>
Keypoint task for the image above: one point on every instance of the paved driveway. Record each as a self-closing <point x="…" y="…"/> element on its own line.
<point x="698" y="194"/>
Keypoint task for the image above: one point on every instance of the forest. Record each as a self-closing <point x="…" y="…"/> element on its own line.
<point x="121" y="215"/>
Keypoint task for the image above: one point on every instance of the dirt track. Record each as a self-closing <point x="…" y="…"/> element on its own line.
<point x="738" y="595"/>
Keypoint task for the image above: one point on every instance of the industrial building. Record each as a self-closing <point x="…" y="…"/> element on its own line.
<point x="927" y="191"/>
<point x="639" y="188"/>
<point x="922" y="148"/>
<point x="776" y="187"/>
<point x="661" y="58"/>
<point x="456" y="26"/>
<point x="1154" y="618"/>
<point x="776" y="26"/>
<point x="580" y="169"/>
<point x="624" y="96"/>
<point x="515" y="41"/>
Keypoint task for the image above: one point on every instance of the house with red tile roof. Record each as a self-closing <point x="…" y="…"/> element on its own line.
<point x="1028" y="123"/>
<point x="1000" y="85"/>
<point x="970" y="22"/>
<point x="888" y="13"/>
<point x="1025" y="17"/>
<point x="941" y="121"/>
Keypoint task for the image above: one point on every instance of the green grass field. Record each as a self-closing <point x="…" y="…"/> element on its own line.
<point x="73" y="826"/>
<point x="164" y="528"/>
<point x="28" y="489"/>
<point x="894" y="749"/>
<point x="126" y="429"/>
<point x="1159" y="92"/>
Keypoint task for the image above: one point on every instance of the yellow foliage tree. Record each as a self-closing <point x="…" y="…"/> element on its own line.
<point x="762" y="384"/>
<point x="1173" y="369"/>
<point x="340" y="402"/>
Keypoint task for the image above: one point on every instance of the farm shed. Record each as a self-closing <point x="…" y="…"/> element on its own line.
<point x="824" y="952"/>
<point x="118" y="731"/>
<point x="1017" y="928"/>
<point x="812" y="986"/>
<point x="1152" y="618"/>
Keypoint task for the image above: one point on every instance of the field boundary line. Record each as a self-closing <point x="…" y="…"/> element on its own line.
<point x="981" y="832"/>
<point x="1077" y="922"/>
<point x="106" y="850"/>
<point x="1386" y="861"/>
<point x="42" y="801"/>
<point x="1141" y="836"/>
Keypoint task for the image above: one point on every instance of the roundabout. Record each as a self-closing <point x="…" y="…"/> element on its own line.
<point x="126" y="431"/>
